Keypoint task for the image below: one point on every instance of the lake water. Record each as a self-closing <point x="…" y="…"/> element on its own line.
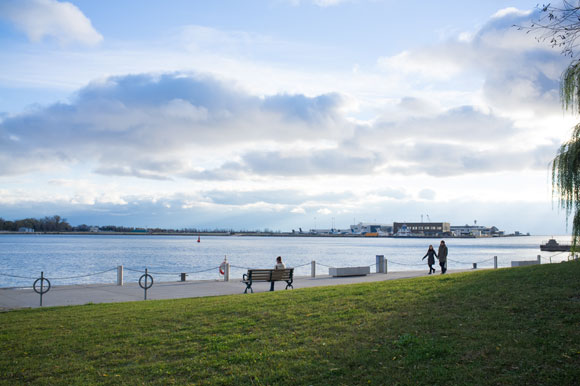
<point x="63" y="258"/>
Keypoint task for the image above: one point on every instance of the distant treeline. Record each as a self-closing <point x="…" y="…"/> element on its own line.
<point x="59" y="224"/>
<point x="46" y="224"/>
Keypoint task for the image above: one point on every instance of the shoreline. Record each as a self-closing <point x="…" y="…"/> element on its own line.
<point x="258" y="234"/>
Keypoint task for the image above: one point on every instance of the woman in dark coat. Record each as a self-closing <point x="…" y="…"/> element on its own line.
<point x="431" y="255"/>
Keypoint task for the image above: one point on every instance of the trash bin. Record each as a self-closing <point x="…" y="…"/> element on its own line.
<point x="381" y="266"/>
<point x="183" y="275"/>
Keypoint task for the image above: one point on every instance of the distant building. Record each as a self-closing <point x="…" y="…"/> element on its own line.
<point x="421" y="228"/>
<point x="321" y="231"/>
<point x="94" y="229"/>
<point x="475" y="231"/>
<point x="25" y="230"/>
<point x="362" y="228"/>
<point x="332" y="231"/>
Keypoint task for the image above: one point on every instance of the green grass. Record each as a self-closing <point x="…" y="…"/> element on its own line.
<point x="509" y="326"/>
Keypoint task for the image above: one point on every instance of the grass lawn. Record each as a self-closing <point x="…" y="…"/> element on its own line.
<point x="508" y="326"/>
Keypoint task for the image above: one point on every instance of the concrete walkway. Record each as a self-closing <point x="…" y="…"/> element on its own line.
<point x="12" y="298"/>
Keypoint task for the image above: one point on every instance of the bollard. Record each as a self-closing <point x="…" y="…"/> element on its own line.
<point x="380" y="259"/>
<point x="313" y="268"/>
<point x="183" y="276"/>
<point x="386" y="266"/>
<point x="119" y="275"/>
<point x="227" y="272"/>
<point x="474" y="265"/>
<point x="539" y="259"/>
<point x="495" y="262"/>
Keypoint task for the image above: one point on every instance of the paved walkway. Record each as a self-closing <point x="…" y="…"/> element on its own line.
<point x="12" y="298"/>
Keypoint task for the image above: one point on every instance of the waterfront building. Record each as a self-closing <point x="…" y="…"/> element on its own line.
<point x="332" y="231"/>
<point x="380" y="229"/>
<point x="475" y="231"/>
<point x="435" y="229"/>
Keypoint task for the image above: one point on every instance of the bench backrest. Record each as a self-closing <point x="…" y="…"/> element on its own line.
<point x="270" y="274"/>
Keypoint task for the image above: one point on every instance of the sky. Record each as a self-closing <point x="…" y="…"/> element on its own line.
<point x="279" y="114"/>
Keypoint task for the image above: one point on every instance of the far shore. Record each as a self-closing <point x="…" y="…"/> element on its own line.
<point x="260" y="234"/>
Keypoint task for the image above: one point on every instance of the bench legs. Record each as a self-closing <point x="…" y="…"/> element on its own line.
<point x="288" y="284"/>
<point x="249" y="286"/>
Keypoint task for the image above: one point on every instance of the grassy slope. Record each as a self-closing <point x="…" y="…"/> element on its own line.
<point x="510" y="326"/>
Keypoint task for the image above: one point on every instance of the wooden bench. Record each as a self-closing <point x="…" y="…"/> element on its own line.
<point x="268" y="275"/>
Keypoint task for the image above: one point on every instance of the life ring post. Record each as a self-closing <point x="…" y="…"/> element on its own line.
<point x="224" y="269"/>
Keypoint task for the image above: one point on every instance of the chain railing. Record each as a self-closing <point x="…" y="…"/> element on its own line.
<point x="43" y="283"/>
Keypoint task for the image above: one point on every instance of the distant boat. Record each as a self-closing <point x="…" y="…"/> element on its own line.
<point x="553" y="246"/>
<point x="403" y="232"/>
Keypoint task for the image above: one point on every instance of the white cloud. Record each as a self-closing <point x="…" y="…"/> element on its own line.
<point x="157" y="126"/>
<point x="62" y="21"/>
<point x="429" y="65"/>
<point x="427" y="194"/>
<point x="509" y="11"/>
<point x="517" y="73"/>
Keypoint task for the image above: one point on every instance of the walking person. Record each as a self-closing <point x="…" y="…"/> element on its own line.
<point x="279" y="265"/>
<point x="431" y="255"/>
<point x="443" y="256"/>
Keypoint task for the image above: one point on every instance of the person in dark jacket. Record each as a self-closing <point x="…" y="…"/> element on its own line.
<point x="443" y="257"/>
<point x="431" y="255"/>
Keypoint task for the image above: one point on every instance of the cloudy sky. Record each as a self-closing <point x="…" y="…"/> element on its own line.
<point x="278" y="114"/>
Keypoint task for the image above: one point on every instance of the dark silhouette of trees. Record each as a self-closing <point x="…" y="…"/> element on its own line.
<point x="46" y="224"/>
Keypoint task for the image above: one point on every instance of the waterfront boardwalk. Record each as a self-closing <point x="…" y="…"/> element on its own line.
<point x="13" y="298"/>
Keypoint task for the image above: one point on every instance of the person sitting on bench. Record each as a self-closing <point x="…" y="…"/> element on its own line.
<point x="279" y="265"/>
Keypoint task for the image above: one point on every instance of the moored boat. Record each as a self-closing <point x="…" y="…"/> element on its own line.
<point x="553" y="246"/>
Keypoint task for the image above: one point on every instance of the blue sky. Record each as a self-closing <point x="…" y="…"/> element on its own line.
<point x="278" y="114"/>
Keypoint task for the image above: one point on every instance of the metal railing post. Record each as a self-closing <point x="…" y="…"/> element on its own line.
<point x="119" y="275"/>
<point x="42" y="290"/>
<point x="495" y="262"/>
<point x="227" y="272"/>
<point x="41" y="286"/>
<point x="539" y="259"/>
<point x="313" y="268"/>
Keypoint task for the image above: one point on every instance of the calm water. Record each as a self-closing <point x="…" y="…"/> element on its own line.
<point x="64" y="256"/>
